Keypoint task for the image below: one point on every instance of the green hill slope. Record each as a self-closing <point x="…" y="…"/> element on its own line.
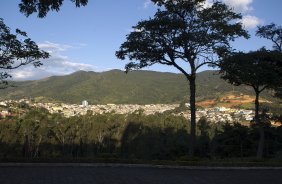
<point x="138" y="87"/>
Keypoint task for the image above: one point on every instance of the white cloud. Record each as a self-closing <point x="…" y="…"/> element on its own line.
<point x="147" y="3"/>
<point x="250" y="22"/>
<point x="57" y="64"/>
<point x="63" y="65"/>
<point x="21" y="74"/>
<point x="53" y="47"/>
<point x="207" y="3"/>
<point x="30" y="73"/>
<point x="240" y="6"/>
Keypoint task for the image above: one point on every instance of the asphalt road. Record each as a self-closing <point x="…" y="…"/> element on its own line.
<point x="134" y="175"/>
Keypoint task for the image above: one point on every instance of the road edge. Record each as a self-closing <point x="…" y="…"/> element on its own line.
<point x="135" y="166"/>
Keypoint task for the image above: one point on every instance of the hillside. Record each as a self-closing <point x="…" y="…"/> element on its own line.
<point x="138" y="87"/>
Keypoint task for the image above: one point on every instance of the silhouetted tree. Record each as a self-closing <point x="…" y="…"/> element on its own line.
<point x="182" y="31"/>
<point x="255" y="69"/>
<point x="204" y="138"/>
<point x="42" y="7"/>
<point x="232" y="141"/>
<point x="15" y="52"/>
<point x="273" y="33"/>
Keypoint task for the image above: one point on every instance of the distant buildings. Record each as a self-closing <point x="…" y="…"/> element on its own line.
<point x="84" y="103"/>
<point x="214" y="114"/>
<point x="4" y="113"/>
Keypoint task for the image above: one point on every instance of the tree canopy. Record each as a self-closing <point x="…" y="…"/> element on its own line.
<point x="42" y="7"/>
<point x="185" y="35"/>
<point x="183" y="30"/>
<point x="273" y="33"/>
<point x="17" y="50"/>
<point x="255" y="69"/>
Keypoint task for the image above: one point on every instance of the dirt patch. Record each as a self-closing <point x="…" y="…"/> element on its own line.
<point x="230" y="101"/>
<point x="207" y="103"/>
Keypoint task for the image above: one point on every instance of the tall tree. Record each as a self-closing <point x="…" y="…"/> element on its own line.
<point x="17" y="50"/>
<point x="185" y="35"/>
<point x="273" y="33"/>
<point x="29" y="7"/>
<point x="255" y="69"/>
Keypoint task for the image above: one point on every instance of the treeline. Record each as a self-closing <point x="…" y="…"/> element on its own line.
<point x="41" y="135"/>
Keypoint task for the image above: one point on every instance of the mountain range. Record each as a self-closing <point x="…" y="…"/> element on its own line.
<point x="115" y="86"/>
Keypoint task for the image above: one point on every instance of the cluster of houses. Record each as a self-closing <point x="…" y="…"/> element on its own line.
<point x="214" y="114"/>
<point x="74" y="109"/>
<point x="222" y="114"/>
<point x="4" y="111"/>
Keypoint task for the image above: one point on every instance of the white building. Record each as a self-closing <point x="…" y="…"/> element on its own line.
<point x="84" y="103"/>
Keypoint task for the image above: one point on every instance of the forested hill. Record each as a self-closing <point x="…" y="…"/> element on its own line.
<point x="137" y="87"/>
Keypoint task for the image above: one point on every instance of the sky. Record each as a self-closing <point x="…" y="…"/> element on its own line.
<point x="87" y="38"/>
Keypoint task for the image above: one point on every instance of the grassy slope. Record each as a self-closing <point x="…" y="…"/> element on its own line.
<point x="138" y="87"/>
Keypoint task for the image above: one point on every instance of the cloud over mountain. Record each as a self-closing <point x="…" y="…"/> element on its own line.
<point x="58" y="63"/>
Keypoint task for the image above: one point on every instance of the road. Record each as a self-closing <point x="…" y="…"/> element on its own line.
<point x="134" y="175"/>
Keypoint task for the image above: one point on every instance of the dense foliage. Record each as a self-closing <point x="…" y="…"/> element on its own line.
<point x="17" y="50"/>
<point x="28" y="7"/>
<point x="40" y="135"/>
<point x="273" y="33"/>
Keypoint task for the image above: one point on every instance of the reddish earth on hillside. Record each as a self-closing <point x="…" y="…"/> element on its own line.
<point x="230" y="101"/>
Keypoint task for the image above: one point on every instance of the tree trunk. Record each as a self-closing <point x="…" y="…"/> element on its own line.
<point x="257" y="107"/>
<point x="259" y="124"/>
<point x="193" y="114"/>
<point x="261" y="143"/>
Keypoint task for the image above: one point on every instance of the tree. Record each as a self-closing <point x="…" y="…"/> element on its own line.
<point x="255" y="69"/>
<point x="232" y="141"/>
<point x="28" y="7"/>
<point x="204" y="138"/>
<point x="273" y="33"/>
<point x="15" y="52"/>
<point x="182" y="34"/>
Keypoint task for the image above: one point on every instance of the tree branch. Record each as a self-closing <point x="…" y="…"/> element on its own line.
<point x="179" y="68"/>
<point x="266" y="86"/>
<point x="204" y="63"/>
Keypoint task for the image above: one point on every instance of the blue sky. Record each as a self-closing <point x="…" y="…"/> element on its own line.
<point x="86" y="38"/>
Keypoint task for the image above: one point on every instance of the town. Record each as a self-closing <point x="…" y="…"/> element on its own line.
<point x="214" y="114"/>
